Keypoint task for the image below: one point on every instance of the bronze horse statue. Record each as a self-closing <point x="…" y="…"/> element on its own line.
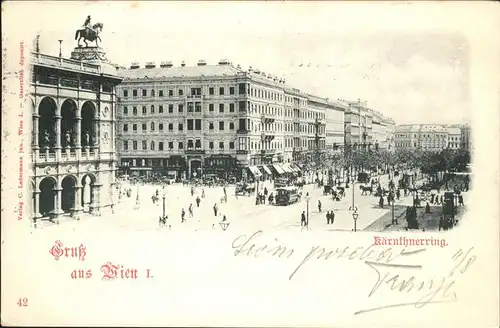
<point x="89" y="34"/>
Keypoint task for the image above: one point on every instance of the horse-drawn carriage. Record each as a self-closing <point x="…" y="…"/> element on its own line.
<point x="299" y="183"/>
<point x="327" y="189"/>
<point x="366" y="188"/>
<point x="245" y="189"/>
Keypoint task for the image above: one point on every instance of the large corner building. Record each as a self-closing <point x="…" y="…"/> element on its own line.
<point x="218" y="119"/>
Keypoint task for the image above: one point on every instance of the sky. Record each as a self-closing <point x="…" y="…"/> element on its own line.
<point x="403" y="69"/>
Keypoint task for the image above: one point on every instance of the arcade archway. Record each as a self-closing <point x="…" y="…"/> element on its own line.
<point x="68" y="193"/>
<point x="87" y="125"/>
<point x="46" y="122"/>
<point x="47" y="196"/>
<point x="68" y="122"/>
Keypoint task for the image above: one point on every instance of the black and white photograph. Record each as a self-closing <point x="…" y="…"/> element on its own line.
<point x="240" y="143"/>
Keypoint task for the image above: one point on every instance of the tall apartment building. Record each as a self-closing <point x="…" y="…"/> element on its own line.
<point x="465" y="137"/>
<point x="212" y="119"/>
<point x="366" y="127"/>
<point x="454" y="136"/>
<point x="334" y="121"/>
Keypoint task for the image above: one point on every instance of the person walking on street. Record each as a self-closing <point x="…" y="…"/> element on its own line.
<point x="202" y="193"/>
<point x="183" y="215"/>
<point x="332" y="217"/>
<point x="303" y="219"/>
<point x="327" y="217"/>
<point x="190" y="209"/>
<point x="198" y="200"/>
<point x="319" y="206"/>
<point x="215" y="209"/>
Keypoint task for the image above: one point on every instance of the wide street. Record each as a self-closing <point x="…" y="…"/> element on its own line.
<point x="241" y="211"/>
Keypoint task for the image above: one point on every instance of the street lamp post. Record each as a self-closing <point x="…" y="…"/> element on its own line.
<point x="164" y="196"/>
<point x="307" y="210"/>
<point x="137" y="201"/>
<point x="355" y="216"/>
<point x="60" y="48"/>
<point x="394" y="220"/>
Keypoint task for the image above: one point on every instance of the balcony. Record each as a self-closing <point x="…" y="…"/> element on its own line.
<point x="242" y="131"/>
<point x="193" y="151"/>
<point x="267" y="118"/>
<point x="267" y="136"/>
<point x="268" y="151"/>
<point x="64" y="156"/>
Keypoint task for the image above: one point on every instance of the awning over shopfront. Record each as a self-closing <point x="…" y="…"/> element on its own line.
<point x="266" y="169"/>
<point x="255" y="171"/>
<point x="286" y="167"/>
<point x="278" y="169"/>
<point x="294" y="168"/>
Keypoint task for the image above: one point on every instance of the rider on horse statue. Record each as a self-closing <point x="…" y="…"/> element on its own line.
<point x="87" y="24"/>
<point x="89" y="32"/>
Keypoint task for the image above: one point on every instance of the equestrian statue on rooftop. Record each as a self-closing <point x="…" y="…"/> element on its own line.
<point x="89" y="32"/>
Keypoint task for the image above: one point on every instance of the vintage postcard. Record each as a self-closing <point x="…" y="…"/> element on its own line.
<point x="295" y="164"/>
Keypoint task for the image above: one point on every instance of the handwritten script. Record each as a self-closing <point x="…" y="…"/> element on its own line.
<point x="391" y="275"/>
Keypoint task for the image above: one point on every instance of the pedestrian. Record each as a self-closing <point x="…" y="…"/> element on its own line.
<point x="190" y="209"/>
<point x="183" y="215"/>
<point x="398" y="194"/>
<point x="303" y="219"/>
<point x="327" y="217"/>
<point x="192" y="191"/>
<point x="461" y="200"/>
<point x="198" y="200"/>
<point x="427" y="208"/>
<point x="319" y="206"/>
<point x="224" y="219"/>
<point x="202" y="193"/>
<point x="332" y="217"/>
<point x="381" y="201"/>
<point x="215" y="209"/>
<point x="224" y="189"/>
<point x="265" y="192"/>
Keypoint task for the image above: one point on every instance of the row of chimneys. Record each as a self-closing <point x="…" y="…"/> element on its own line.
<point x="269" y="76"/>
<point x="201" y="62"/>
<point x="167" y="64"/>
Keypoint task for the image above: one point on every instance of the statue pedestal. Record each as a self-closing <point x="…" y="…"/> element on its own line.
<point x="90" y="54"/>
<point x="96" y="56"/>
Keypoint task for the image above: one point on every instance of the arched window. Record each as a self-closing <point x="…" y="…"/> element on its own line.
<point x="152" y="126"/>
<point x="152" y="145"/>
<point x="152" y="108"/>
<point x="152" y="93"/>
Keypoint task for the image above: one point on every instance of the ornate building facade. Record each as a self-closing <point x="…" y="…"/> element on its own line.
<point x="220" y="119"/>
<point x="73" y="144"/>
<point x="433" y="137"/>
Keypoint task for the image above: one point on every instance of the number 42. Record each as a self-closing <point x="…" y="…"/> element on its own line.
<point x="22" y="302"/>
